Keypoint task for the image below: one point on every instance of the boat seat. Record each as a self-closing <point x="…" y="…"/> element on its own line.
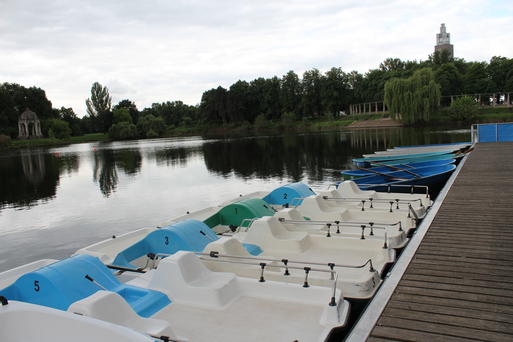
<point x="270" y="234"/>
<point x="111" y="307"/>
<point x="350" y="188"/>
<point x="189" y="235"/>
<point x="60" y="284"/>
<point x="228" y="246"/>
<point x="193" y="282"/>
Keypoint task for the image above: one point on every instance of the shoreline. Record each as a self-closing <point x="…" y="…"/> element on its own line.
<point x="344" y="123"/>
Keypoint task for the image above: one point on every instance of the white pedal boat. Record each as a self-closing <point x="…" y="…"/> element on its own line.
<point x="358" y="263"/>
<point x="179" y="301"/>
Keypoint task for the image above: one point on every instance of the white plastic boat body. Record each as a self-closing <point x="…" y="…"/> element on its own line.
<point x="21" y="322"/>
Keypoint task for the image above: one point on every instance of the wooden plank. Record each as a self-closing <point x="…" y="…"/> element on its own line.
<point x="407" y="335"/>
<point x="465" y="322"/>
<point x="444" y="329"/>
<point x="451" y="310"/>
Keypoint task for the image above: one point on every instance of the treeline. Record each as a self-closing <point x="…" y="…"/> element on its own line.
<point x="287" y="98"/>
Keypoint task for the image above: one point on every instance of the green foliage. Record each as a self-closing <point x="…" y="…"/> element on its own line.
<point x="131" y="107"/>
<point x="413" y="99"/>
<point x="123" y="130"/>
<point x="121" y="115"/>
<point x="463" y="109"/>
<point x="58" y="129"/>
<point x="150" y="126"/>
<point x="450" y="79"/>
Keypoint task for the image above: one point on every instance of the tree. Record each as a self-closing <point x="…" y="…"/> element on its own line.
<point x="450" y="79"/>
<point x="131" y="107"/>
<point x="335" y="91"/>
<point x="291" y="92"/>
<point x="98" y="107"/>
<point x="68" y="115"/>
<point x="476" y="80"/>
<point x="312" y="85"/>
<point x="413" y="99"/>
<point x="500" y="71"/>
<point x="121" y="115"/>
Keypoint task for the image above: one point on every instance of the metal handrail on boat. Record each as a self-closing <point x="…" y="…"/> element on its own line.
<point x="373" y="200"/>
<point x="286" y="262"/>
<point x="328" y="224"/>
<point x="412" y="187"/>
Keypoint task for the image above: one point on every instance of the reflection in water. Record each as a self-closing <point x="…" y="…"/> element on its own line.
<point x="29" y="176"/>
<point x="176" y="156"/>
<point x="106" y="165"/>
<point x="314" y="156"/>
<point x="105" y="171"/>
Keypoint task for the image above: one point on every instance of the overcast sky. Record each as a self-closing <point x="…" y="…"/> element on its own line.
<point x="165" y="50"/>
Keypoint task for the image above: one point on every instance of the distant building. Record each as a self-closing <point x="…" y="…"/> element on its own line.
<point x="443" y="42"/>
<point x="29" y="125"/>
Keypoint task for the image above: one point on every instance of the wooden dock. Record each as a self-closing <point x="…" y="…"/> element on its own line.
<point x="459" y="285"/>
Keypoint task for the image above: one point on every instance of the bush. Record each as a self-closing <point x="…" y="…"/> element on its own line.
<point x="150" y="126"/>
<point x="5" y="141"/>
<point x="123" y="131"/>
<point x="463" y="109"/>
<point x="58" y="128"/>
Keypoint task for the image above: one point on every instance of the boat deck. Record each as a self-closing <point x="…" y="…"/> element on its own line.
<point x="459" y="284"/>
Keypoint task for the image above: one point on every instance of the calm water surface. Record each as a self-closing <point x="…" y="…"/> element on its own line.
<point x="55" y="201"/>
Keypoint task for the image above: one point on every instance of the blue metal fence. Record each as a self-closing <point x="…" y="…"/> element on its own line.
<point x="494" y="132"/>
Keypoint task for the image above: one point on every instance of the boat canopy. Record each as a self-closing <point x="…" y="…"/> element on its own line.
<point x="289" y="194"/>
<point x="234" y="213"/>
<point x="60" y="284"/>
<point x="189" y="235"/>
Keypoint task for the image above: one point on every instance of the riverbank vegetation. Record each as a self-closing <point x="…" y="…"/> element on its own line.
<point x="413" y="91"/>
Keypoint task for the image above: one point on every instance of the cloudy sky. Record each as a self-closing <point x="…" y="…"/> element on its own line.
<point x="159" y="50"/>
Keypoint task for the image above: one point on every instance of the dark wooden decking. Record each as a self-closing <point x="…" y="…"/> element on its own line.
<point x="459" y="286"/>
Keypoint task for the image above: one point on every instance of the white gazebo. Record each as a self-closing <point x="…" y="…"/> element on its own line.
<point x="29" y="125"/>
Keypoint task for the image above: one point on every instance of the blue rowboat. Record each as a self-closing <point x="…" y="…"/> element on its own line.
<point x="421" y="176"/>
<point x="397" y="167"/>
<point x="363" y="162"/>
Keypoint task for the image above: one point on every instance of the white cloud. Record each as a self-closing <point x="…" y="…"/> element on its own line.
<point x="153" y="51"/>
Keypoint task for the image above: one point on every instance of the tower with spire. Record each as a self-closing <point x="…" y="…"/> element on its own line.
<point x="443" y="42"/>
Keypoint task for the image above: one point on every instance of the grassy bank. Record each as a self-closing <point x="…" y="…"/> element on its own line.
<point x="55" y="142"/>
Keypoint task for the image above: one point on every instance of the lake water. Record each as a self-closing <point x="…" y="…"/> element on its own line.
<point x="55" y="201"/>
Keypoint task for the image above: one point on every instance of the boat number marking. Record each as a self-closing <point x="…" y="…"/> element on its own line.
<point x="236" y="211"/>
<point x="284" y="196"/>
<point x="36" y="285"/>
<point x="166" y="240"/>
<point x="373" y="282"/>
